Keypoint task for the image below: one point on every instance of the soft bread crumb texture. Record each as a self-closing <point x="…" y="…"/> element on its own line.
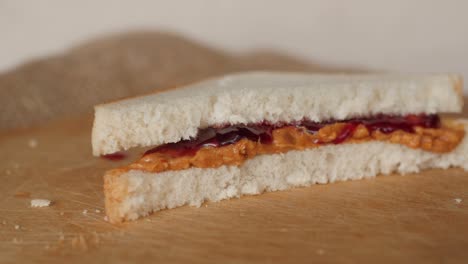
<point x="256" y="96"/>
<point x="130" y="195"/>
<point x="40" y="203"/>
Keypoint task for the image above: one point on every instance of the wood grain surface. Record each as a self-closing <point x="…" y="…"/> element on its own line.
<point x="417" y="218"/>
<point x="390" y="219"/>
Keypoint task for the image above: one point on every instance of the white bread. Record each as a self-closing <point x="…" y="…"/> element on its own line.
<point x="40" y="203"/>
<point x="252" y="97"/>
<point x="134" y="193"/>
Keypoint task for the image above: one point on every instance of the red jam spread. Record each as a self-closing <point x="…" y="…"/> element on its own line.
<point x="114" y="156"/>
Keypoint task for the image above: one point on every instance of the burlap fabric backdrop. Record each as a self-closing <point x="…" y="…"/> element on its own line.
<point x="124" y="65"/>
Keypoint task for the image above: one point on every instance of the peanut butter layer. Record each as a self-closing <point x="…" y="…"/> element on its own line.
<point x="439" y="140"/>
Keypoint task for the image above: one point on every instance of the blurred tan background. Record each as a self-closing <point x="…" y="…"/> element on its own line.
<point x="60" y="58"/>
<point x="416" y="35"/>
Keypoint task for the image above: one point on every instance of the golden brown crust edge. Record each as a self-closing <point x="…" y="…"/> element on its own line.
<point x="458" y="87"/>
<point x="115" y="191"/>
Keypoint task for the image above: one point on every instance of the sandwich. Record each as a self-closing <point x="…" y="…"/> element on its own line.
<point x="255" y="132"/>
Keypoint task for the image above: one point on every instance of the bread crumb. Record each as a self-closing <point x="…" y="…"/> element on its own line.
<point x="98" y="211"/>
<point x="40" y="203"/>
<point x="32" y="143"/>
<point x="458" y="200"/>
<point x="17" y="227"/>
<point x="85" y="211"/>
<point x="106" y="218"/>
<point x="320" y="251"/>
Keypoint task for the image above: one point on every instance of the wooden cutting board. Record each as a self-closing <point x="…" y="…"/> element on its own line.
<point x="391" y="219"/>
<point x="412" y="218"/>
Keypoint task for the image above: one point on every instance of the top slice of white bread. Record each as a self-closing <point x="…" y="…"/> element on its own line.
<point x="252" y="97"/>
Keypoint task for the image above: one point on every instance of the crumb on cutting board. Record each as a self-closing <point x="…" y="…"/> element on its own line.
<point x="32" y="143"/>
<point x="40" y="203"/>
<point x="85" y="212"/>
<point x="458" y="200"/>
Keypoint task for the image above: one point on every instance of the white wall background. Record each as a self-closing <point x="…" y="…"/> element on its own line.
<point x="403" y="35"/>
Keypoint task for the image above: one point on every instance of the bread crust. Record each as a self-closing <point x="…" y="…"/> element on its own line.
<point x="458" y="87"/>
<point x="115" y="191"/>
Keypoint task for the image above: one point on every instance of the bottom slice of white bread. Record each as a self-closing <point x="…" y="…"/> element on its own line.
<point x="132" y="194"/>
